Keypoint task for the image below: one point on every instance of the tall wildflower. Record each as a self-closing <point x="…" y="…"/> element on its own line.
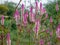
<point x="51" y="20"/>
<point x="22" y="11"/>
<point x="36" y="5"/>
<point x="8" y="39"/>
<point x="58" y="31"/>
<point x="40" y="6"/>
<point x="41" y="42"/>
<point x="25" y="16"/>
<point x="17" y="17"/>
<point x="22" y="7"/>
<point x="31" y="9"/>
<point x="43" y="10"/>
<point x="37" y="26"/>
<point x="46" y="15"/>
<point x="32" y="15"/>
<point x="57" y="7"/>
<point x="2" y="20"/>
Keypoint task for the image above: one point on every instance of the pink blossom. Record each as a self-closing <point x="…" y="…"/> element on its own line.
<point x="22" y="7"/>
<point x="2" y="20"/>
<point x="46" y="15"/>
<point x="51" y="20"/>
<point x="37" y="26"/>
<point x="36" y="5"/>
<point x="41" y="42"/>
<point x="40" y="6"/>
<point x="8" y="39"/>
<point x="57" y="7"/>
<point x="31" y="9"/>
<point x="25" y="16"/>
<point x="32" y="17"/>
<point x="43" y="10"/>
<point x="51" y="33"/>
<point x="58" y="31"/>
<point x="17" y="16"/>
<point x="47" y="31"/>
<point x="8" y="36"/>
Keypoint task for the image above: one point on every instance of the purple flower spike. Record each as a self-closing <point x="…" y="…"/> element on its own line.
<point x="37" y="26"/>
<point x="58" y="31"/>
<point x="47" y="31"/>
<point x="41" y="42"/>
<point x="8" y="36"/>
<point x="32" y="17"/>
<point x="51" y="33"/>
<point x="27" y="13"/>
<point x="40" y="5"/>
<point x="8" y="39"/>
<point x="51" y="20"/>
<point x="2" y="20"/>
<point x="17" y="16"/>
<point x="31" y="9"/>
<point x="57" y="7"/>
<point x="44" y="10"/>
<point x="46" y="15"/>
<point x="36" y="5"/>
<point x="25" y="16"/>
<point x="17" y="12"/>
<point x="22" y="6"/>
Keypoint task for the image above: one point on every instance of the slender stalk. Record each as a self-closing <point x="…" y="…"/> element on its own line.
<point x="2" y="35"/>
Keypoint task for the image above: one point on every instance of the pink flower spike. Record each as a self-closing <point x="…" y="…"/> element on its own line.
<point x="31" y="9"/>
<point x="44" y="10"/>
<point x="17" y="12"/>
<point x="25" y="16"/>
<point x="36" y="5"/>
<point x="22" y="7"/>
<point x="27" y="13"/>
<point x="46" y="15"/>
<point x="2" y="20"/>
<point x="51" y="33"/>
<point x="17" y="16"/>
<point x="41" y="42"/>
<point x="47" y="31"/>
<point x="32" y="17"/>
<point x="40" y="6"/>
<point x="51" y="20"/>
<point x="8" y="36"/>
<point x="57" y="7"/>
<point x="8" y="39"/>
<point x="58" y="31"/>
<point x="37" y="26"/>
